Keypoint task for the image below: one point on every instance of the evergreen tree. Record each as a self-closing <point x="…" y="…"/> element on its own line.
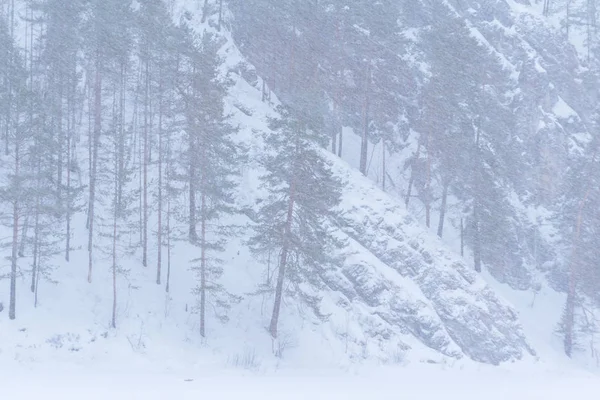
<point x="213" y="161"/>
<point x="578" y="218"/>
<point x="292" y="220"/>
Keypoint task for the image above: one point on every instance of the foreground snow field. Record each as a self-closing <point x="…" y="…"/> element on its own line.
<point x="421" y="382"/>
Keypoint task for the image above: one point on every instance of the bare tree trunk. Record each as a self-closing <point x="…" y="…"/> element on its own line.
<point x="334" y="133"/>
<point x="220" y="15"/>
<point x="440" y="230"/>
<point x="114" y="267"/>
<point x="204" y="11"/>
<point x="568" y="17"/>
<point x="476" y="238"/>
<point x="9" y="102"/>
<point x="476" y="205"/>
<point x="121" y="150"/>
<point x="37" y="280"/>
<point x="203" y="267"/>
<point x="428" y="196"/>
<point x="167" y="286"/>
<point x="15" y="241"/>
<point x="93" y="177"/>
<point x="340" y="147"/>
<point x="36" y="234"/>
<point x="364" y="143"/>
<point x="23" y="241"/>
<point x="69" y="166"/>
<point x="193" y="236"/>
<point x="116" y="214"/>
<point x="383" y="167"/>
<point x="203" y="244"/>
<point x="59" y="118"/>
<point x="572" y="293"/>
<point x="12" y="19"/>
<point x="145" y="166"/>
<point x="283" y="259"/>
<point x="160" y="195"/>
<point x="283" y="262"/>
<point x="546" y="7"/>
<point x="411" y="181"/>
<point x="462" y="238"/>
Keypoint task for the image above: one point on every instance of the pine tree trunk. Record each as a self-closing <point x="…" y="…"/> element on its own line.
<point x="476" y="238"/>
<point x="283" y="262"/>
<point x="168" y="284"/>
<point x="160" y="196"/>
<point x="411" y="180"/>
<point x="334" y="132"/>
<point x="168" y="222"/>
<point x="59" y="118"/>
<point x="428" y="186"/>
<point x="37" y="279"/>
<point x="203" y="216"/>
<point x="193" y="236"/>
<point x="440" y="230"/>
<point x="364" y="143"/>
<point x="68" y="205"/>
<point x="15" y="241"/>
<point x="220" y="15"/>
<point x="9" y="102"/>
<point x="334" y="138"/>
<point x="23" y="241"/>
<point x="93" y="177"/>
<point x="145" y="166"/>
<point x="116" y="213"/>
<point x="383" y="167"/>
<point x="121" y="150"/>
<point x="569" y="318"/>
<point x="8" y="112"/>
<point x="569" y="322"/>
<point x="204" y="11"/>
<point x="462" y="238"/>
<point x="36" y="233"/>
<point x="114" y="269"/>
<point x="341" y="142"/>
<point x="203" y="268"/>
<point x="476" y="205"/>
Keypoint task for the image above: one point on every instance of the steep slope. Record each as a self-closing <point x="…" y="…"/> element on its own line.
<point x="400" y="294"/>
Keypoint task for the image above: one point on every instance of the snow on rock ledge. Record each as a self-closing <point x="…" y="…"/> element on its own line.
<point x="418" y="286"/>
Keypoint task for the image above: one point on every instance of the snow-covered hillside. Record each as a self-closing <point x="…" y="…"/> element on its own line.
<point x="399" y="295"/>
<point x="402" y="296"/>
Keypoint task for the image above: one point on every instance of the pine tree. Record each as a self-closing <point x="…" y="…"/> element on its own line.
<point x="213" y="161"/>
<point x="292" y="220"/>
<point x="578" y="217"/>
<point x="115" y="224"/>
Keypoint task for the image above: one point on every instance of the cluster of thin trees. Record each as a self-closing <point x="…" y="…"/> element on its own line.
<point x="111" y="111"/>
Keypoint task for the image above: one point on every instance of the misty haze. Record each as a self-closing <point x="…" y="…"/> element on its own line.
<point x="295" y="199"/>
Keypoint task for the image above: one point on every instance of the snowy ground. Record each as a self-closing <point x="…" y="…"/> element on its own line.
<point x="422" y="382"/>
